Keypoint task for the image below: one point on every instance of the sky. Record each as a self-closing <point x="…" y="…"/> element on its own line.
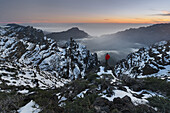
<point x="84" y="11"/>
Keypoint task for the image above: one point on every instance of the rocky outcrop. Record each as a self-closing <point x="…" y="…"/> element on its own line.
<point x="120" y="105"/>
<point x="37" y="58"/>
<point x="27" y="33"/>
<point x="149" y="70"/>
<point x="146" y="61"/>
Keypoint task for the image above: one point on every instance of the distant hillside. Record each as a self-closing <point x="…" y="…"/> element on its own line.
<point x="120" y="44"/>
<point x="145" y="35"/>
<point x="65" y="35"/>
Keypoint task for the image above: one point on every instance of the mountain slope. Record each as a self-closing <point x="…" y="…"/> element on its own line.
<point x="145" y="35"/>
<point x="120" y="44"/>
<point x="38" y="60"/>
<point x="65" y="35"/>
<point x="148" y="61"/>
<point x="48" y="78"/>
<point x="27" y="33"/>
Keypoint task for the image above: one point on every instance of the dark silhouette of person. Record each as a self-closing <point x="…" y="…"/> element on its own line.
<point x="107" y="57"/>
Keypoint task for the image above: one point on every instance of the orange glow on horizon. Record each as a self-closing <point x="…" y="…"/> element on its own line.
<point x="165" y="12"/>
<point x="117" y="20"/>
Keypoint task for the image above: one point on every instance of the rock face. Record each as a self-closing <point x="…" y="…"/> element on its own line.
<point x="27" y="33"/>
<point x="26" y="54"/>
<point x="153" y="61"/>
<point x="65" y="35"/>
<point x="149" y="70"/>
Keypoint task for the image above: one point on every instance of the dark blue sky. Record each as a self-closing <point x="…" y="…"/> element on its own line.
<point x="85" y="11"/>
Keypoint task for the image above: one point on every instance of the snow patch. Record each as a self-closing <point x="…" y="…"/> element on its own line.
<point x="81" y="95"/>
<point x="107" y="72"/>
<point x="135" y="100"/>
<point x="31" y="107"/>
<point x="23" y="91"/>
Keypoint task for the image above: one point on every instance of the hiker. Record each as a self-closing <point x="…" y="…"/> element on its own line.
<point x="107" y="58"/>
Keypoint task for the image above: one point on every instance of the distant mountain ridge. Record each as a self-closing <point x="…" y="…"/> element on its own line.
<point x="125" y="42"/>
<point x="74" y="32"/>
<point x="145" y="35"/>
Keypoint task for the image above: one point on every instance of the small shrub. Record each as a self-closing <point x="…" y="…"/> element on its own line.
<point x="47" y="100"/>
<point x="115" y="111"/>
<point x="10" y="102"/>
<point x="81" y="105"/>
<point x="161" y="103"/>
<point x="157" y="85"/>
<point x="80" y="85"/>
<point x="91" y="77"/>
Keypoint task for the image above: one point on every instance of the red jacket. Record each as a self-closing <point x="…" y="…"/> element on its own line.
<point x="107" y="57"/>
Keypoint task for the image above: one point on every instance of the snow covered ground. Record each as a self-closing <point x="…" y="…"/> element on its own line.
<point x="44" y="80"/>
<point x="143" y="100"/>
<point x="108" y="72"/>
<point x="163" y="74"/>
<point x="146" y="62"/>
<point x="31" y="107"/>
<point x="23" y="91"/>
<point x="44" y="65"/>
<point x="121" y="93"/>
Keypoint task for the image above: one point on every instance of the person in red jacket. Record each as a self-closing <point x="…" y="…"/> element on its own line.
<point x="107" y="58"/>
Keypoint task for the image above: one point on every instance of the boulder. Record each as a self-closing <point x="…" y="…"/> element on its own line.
<point x="149" y="70"/>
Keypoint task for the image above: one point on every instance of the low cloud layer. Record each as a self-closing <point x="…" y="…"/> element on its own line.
<point x="163" y="13"/>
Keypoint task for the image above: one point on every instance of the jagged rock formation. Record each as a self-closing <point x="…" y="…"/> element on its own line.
<point x="65" y="35"/>
<point x="146" y="61"/>
<point x="27" y="33"/>
<point x="29" y="58"/>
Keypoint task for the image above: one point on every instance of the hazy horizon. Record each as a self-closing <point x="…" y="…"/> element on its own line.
<point x="93" y="29"/>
